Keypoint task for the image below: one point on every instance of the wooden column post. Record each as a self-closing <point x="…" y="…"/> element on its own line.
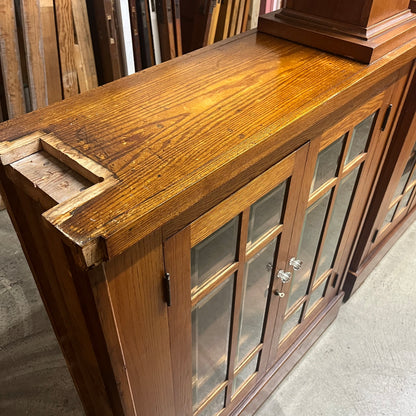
<point x="363" y="30"/>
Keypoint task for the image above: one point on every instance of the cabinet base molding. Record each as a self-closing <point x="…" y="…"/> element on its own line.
<point x="282" y="368"/>
<point x="361" y="44"/>
<point x="355" y="278"/>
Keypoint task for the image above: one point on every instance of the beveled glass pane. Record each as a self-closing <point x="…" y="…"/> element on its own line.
<point x="211" y="319"/>
<point x="266" y="213"/>
<point x="245" y="373"/>
<point x="254" y="299"/>
<point x="390" y="215"/>
<point x="317" y="294"/>
<point x="290" y="322"/>
<point x="405" y="176"/>
<point x="405" y="200"/>
<point x="360" y="138"/>
<point x="337" y="221"/>
<point x="215" y="405"/>
<point x="311" y="234"/>
<point x="327" y="164"/>
<point x="214" y="253"/>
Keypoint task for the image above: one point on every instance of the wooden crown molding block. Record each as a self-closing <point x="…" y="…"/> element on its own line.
<point x="363" y="30"/>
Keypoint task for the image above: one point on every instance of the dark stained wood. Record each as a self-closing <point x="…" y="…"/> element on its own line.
<point x="365" y="251"/>
<point x="363" y="30"/>
<point x="105" y="40"/>
<point x="355" y="12"/>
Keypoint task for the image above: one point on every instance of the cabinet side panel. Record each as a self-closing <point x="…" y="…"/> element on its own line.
<point x="49" y="265"/>
<point x="135" y="287"/>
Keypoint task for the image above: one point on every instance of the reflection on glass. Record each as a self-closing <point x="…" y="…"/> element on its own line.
<point x="390" y="215"/>
<point x="327" y="163"/>
<point x="316" y="295"/>
<point x="311" y="233"/>
<point x="214" y="253"/>
<point x="215" y="405"/>
<point x="253" y="306"/>
<point x="266" y="213"/>
<point x="211" y="319"/>
<point x="413" y="178"/>
<point x="405" y="200"/>
<point x="338" y="217"/>
<point x="291" y="322"/>
<point x="405" y="176"/>
<point x="360" y="137"/>
<point x="244" y="374"/>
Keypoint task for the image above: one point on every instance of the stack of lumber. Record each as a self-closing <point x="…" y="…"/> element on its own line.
<point x="46" y="53"/>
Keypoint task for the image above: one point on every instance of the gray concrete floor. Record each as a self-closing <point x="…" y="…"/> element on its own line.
<point x="364" y="364"/>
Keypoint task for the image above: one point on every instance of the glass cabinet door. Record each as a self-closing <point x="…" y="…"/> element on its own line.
<point x="222" y="269"/>
<point x="335" y="199"/>
<point x="252" y="273"/>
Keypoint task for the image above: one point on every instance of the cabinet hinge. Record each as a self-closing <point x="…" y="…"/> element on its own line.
<point x="386" y="117"/>
<point x="374" y="236"/>
<point x="166" y="281"/>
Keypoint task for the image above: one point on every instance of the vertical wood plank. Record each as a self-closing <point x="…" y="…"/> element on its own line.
<point x="234" y="17"/>
<point x="66" y="38"/>
<point x="135" y="285"/>
<point x="87" y="75"/>
<point x="178" y="265"/>
<point x="50" y="50"/>
<point x="10" y="60"/>
<point x="240" y="17"/>
<point x="245" y="17"/>
<point x="35" y="58"/>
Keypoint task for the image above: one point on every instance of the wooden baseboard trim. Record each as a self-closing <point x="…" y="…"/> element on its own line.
<point x="355" y="278"/>
<point x="281" y="369"/>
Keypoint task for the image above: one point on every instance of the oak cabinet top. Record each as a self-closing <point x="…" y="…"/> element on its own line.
<point x="167" y="143"/>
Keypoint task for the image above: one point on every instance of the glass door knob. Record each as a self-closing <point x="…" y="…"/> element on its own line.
<point x="295" y="263"/>
<point x="284" y="276"/>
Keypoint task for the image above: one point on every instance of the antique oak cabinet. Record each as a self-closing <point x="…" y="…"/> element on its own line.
<point x="190" y="228"/>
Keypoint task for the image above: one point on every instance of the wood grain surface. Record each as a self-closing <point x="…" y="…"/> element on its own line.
<point x="172" y="138"/>
<point x="35" y="57"/>
<point x="66" y="36"/>
<point x="10" y="60"/>
<point x="50" y="50"/>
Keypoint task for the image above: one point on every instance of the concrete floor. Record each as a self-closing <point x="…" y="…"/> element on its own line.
<point x="364" y="364"/>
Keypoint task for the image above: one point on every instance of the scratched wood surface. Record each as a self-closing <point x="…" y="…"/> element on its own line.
<point x="171" y="137"/>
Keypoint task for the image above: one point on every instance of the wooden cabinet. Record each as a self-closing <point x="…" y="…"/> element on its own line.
<point x="189" y="227"/>
<point x="251" y="275"/>
<point x="393" y="205"/>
